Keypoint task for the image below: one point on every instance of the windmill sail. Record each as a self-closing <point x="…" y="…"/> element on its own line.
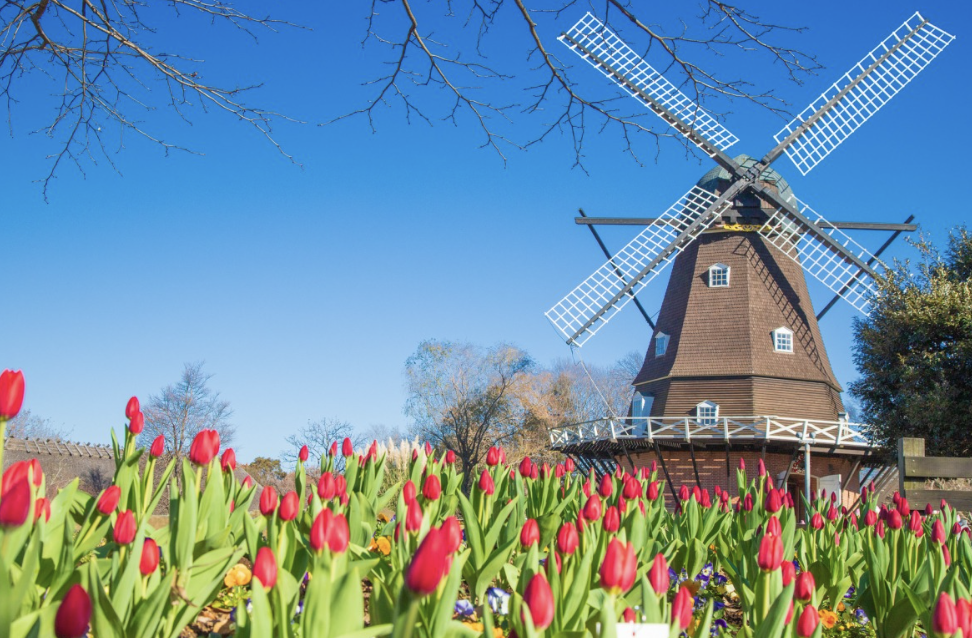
<point x="608" y="53"/>
<point x="861" y="92"/>
<point x="803" y="244"/>
<point x="596" y="300"/>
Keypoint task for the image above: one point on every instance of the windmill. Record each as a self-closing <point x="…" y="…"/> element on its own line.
<point x="740" y="241"/>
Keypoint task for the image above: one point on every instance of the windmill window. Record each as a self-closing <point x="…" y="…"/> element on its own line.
<point x="718" y="276"/>
<point x="707" y="413"/>
<point x="641" y="404"/>
<point x="783" y="340"/>
<point x="661" y="344"/>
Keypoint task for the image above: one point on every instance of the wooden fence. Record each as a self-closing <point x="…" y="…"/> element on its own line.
<point x="914" y="468"/>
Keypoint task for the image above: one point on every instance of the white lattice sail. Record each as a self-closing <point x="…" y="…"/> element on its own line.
<point x="804" y="246"/>
<point x="635" y="75"/>
<point x="600" y="296"/>
<point x="896" y="61"/>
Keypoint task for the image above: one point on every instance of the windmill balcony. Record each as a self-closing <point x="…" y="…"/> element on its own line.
<point x="720" y="430"/>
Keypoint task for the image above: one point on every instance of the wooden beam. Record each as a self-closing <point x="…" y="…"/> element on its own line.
<point x="937" y="467"/>
<point x="645" y="221"/>
<point x="917" y="499"/>
<point x="912" y="447"/>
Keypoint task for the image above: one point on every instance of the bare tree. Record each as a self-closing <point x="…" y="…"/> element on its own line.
<point x="464" y="397"/>
<point x="182" y="410"/>
<point x="27" y="425"/>
<point x="318" y="437"/>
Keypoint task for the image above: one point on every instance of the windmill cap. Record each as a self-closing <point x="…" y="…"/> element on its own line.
<point x="710" y="181"/>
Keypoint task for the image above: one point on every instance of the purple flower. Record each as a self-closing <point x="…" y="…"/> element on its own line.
<point x="464" y="608"/>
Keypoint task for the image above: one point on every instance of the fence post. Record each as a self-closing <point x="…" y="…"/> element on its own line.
<point x="908" y="447"/>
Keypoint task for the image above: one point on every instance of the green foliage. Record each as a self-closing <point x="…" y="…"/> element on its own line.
<point x="914" y="353"/>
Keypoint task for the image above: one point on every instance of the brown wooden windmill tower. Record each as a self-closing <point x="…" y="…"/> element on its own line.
<point x="736" y="367"/>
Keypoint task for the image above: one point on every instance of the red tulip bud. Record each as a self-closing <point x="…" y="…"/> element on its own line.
<point x="946" y="555"/>
<point x="530" y="534"/>
<point x="42" y="507"/>
<point x="432" y="488"/>
<point x="409" y="492"/>
<point x="620" y="567"/>
<point x="304" y="454"/>
<point x="808" y="621"/>
<point x="347" y="448"/>
<point x="331" y="531"/>
<point x="11" y="393"/>
<point x="137" y="423"/>
<point x="870" y="518"/>
<point x="539" y="600"/>
<point x="108" y="500"/>
<point x="944" y="617"/>
<point x="747" y="503"/>
<point x="265" y="568"/>
<point x="773" y="526"/>
<point x="770" y="553"/>
<point x="804" y="587"/>
<point x="817" y="521"/>
<point x="773" y="503"/>
<point x="228" y="460"/>
<point x="894" y="519"/>
<point x="15" y="504"/>
<point x="761" y="468"/>
<point x="492" y="456"/>
<point x="333" y="449"/>
<point x="569" y="465"/>
<point x="832" y="514"/>
<point x="450" y="457"/>
<point x="150" y="557"/>
<point x="914" y="524"/>
<point x="560" y="471"/>
<point x="612" y="519"/>
<point x="247" y="482"/>
<point x="486" y="483"/>
<point x="682" y="608"/>
<point x="289" y="506"/>
<point x="125" y="527"/>
<point x="204" y="447"/>
<point x="879" y="529"/>
<point x="158" y="446"/>
<point x="606" y="486"/>
<point x="567" y="539"/>
<point x="453" y="534"/>
<point x="73" y="614"/>
<point x="268" y="501"/>
<point x="592" y="509"/>
<point x="429" y="564"/>
<point x="326" y="486"/>
<point x="684" y="493"/>
<point x="628" y="614"/>
<point x="341" y="486"/>
<point x="788" y="571"/>
<point x="963" y="613"/>
<point x="658" y="575"/>
<point x="903" y="507"/>
<point x="653" y="491"/>
<point x="132" y="408"/>
<point x="413" y="517"/>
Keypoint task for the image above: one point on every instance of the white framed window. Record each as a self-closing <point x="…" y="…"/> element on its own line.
<point x="707" y="413"/>
<point x="641" y="404"/>
<point x="783" y="340"/>
<point x="718" y="276"/>
<point x="661" y="344"/>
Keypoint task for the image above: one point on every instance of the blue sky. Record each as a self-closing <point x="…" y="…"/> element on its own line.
<point x="306" y="288"/>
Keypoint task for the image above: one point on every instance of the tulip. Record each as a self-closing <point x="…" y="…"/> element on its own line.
<point x="132" y="408"/>
<point x="73" y="614"/>
<point x="265" y="568"/>
<point x="413" y="517"/>
<point x="946" y="555"/>
<point x="773" y="502"/>
<point x="17" y="472"/>
<point x="560" y="471"/>
<point x="539" y="600"/>
<point x="742" y="464"/>
<point x="914" y="524"/>
<point x="453" y="534"/>
<point x="773" y="526"/>
<point x="808" y="621"/>
<point x="569" y="465"/>
<point x="42" y="507"/>
<point x="329" y="530"/>
<point x="228" y="460"/>
<point x="158" y="447"/>
<point x="592" y="509"/>
<point x="805" y="586"/>
<point x="11" y="393"/>
<point x="870" y="518"/>
<point x="788" y="571"/>
<point x="204" y="447"/>
<point x="903" y="507"/>
<point x="150" y="557"/>
<point x="653" y="491"/>
<point x="268" y="500"/>
<point x="247" y="481"/>
<point x="658" y="575"/>
<point x="492" y="457"/>
<point x="567" y="539"/>
<point x="612" y="520"/>
<point x="879" y="529"/>
<point x="894" y="519"/>
<point x="832" y="514"/>
<point x="944" y="616"/>
<point x="770" y="553"/>
<point x="817" y="521"/>
<point x="137" y="423"/>
<point x="682" y="608"/>
<point x="620" y="567"/>
<point x="530" y="534"/>
<point x="628" y="614"/>
<point x="963" y="614"/>
<point x="606" y="486"/>
<point x="326" y="487"/>
<point x="108" y="500"/>
<point x="341" y="486"/>
<point x="333" y="450"/>
<point x="429" y="564"/>
<point x="450" y="457"/>
<point x="747" y="503"/>
<point x="289" y="506"/>
<point x="486" y="483"/>
<point x="432" y="488"/>
<point x="15" y="504"/>
<point x="526" y="466"/>
<point x="408" y="491"/>
<point x="347" y="448"/>
<point x="125" y="527"/>
<point x="761" y="468"/>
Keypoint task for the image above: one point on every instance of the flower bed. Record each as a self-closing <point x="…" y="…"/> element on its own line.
<point x="531" y="551"/>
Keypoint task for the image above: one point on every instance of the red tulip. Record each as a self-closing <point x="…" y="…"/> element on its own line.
<point x="334" y="449"/>
<point x="204" y="447"/>
<point x="347" y="448"/>
<point x="329" y="530"/>
<point x="247" y="481"/>
<point x="631" y="489"/>
<point x="938" y="531"/>
<point x="413" y="517"/>
<point x="773" y="502"/>
<point x="408" y="491"/>
<point x="805" y="586"/>
<point x="817" y="521"/>
<point x="773" y="526"/>
<point x="526" y="467"/>
<point x="808" y="621"/>
<point x="125" y="527"/>
<point x="228" y="460"/>
<point x="73" y="614"/>
<point x="963" y="614"/>
<point x="879" y="529"/>
<point x="132" y="408"/>
<point x="567" y="539"/>
<point x="658" y="575"/>
<point x="137" y="424"/>
<point x="268" y="500"/>
<point x="11" y="393"/>
<point x="742" y="464"/>
<point x="770" y="553"/>
<point x="946" y="555"/>
<point x="15" y="504"/>
<point x="486" y="483"/>
<point x="539" y="600"/>
<point x="340" y="486"/>
<point x="289" y="506"/>
<point x="569" y="465"/>
<point x="492" y="456"/>
<point x="560" y="471"/>
<point x="150" y="557"/>
<point x="592" y="509"/>
<point x="21" y="471"/>
<point x="432" y="488"/>
<point x="747" y="503"/>
<point x="530" y="534"/>
<point x="944" y="617"/>
<point x="620" y="567"/>
<point x="304" y="454"/>
<point x="612" y="520"/>
<point x="450" y="457"/>
<point x="788" y="571"/>
<point x="682" y="607"/>
<point x="158" y="446"/>
<point x="42" y="507"/>
<point x="653" y="491"/>
<point x="870" y="518"/>
<point x="108" y="500"/>
<point x="606" y="486"/>
<point x="429" y="564"/>
<point x="265" y="568"/>
<point x="903" y="507"/>
<point x="894" y="519"/>
<point x="628" y="614"/>
<point x="326" y="487"/>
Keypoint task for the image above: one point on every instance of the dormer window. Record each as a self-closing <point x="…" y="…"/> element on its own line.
<point x="707" y="413"/>
<point x="661" y="344"/>
<point x="783" y="340"/>
<point x="718" y="276"/>
<point x="641" y="404"/>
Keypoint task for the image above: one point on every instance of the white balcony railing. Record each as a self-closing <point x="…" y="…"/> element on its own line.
<point x="732" y="429"/>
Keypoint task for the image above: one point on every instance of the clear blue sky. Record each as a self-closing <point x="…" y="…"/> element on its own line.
<point x="305" y="289"/>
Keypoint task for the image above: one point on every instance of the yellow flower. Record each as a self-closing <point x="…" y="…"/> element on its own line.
<point x="383" y="517"/>
<point x="237" y="576"/>
<point x="384" y="545"/>
<point x="828" y="618"/>
<point x="840" y="607"/>
<point x="475" y="626"/>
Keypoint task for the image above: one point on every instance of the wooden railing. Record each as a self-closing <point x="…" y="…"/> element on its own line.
<point x="914" y="468"/>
